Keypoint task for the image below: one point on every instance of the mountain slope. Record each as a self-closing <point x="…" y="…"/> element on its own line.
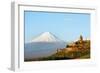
<point x="42" y="46"/>
<point x="46" y="37"/>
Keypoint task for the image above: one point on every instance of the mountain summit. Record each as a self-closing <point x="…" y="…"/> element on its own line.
<point x="46" y="37"/>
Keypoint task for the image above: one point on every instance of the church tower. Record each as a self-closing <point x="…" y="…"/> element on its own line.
<point x="81" y="39"/>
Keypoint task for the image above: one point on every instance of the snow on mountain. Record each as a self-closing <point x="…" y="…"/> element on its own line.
<point x="46" y="37"/>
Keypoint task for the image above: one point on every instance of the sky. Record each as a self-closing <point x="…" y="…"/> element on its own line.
<point x="66" y="26"/>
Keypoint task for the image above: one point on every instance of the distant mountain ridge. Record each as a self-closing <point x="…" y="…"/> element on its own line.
<point x="43" y="45"/>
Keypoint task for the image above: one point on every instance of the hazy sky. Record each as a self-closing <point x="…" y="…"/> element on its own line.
<point x="66" y="26"/>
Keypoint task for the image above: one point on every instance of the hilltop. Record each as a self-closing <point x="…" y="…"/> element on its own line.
<point x="79" y="49"/>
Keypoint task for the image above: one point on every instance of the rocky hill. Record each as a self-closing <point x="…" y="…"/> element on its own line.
<point x="79" y="49"/>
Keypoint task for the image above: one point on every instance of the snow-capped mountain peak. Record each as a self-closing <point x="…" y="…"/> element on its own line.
<point x="46" y="37"/>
